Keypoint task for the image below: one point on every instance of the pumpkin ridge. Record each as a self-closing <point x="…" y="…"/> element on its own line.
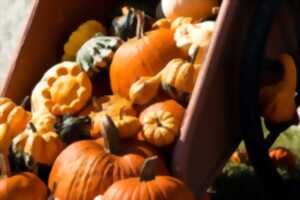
<point x="87" y="174"/>
<point x="162" y="192"/>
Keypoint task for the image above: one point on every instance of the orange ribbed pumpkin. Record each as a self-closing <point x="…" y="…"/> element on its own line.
<point x="144" y="56"/>
<point x="87" y="168"/>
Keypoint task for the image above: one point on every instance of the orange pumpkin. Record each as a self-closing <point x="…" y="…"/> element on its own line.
<point x="87" y="168"/>
<point x="161" y="122"/>
<point x="24" y="186"/>
<point x="149" y="186"/>
<point x="282" y="157"/>
<point x="144" y="55"/>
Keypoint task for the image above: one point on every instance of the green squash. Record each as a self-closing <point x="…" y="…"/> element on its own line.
<point x="97" y="53"/>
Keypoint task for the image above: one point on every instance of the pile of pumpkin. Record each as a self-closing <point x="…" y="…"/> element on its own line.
<point x="117" y="145"/>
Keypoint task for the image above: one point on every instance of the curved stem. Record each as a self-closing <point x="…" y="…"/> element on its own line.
<point x="140" y="24"/>
<point x="32" y="127"/>
<point x="148" y="170"/>
<point x="194" y="55"/>
<point x="25" y="101"/>
<point x="4" y="165"/>
<point x="111" y="135"/>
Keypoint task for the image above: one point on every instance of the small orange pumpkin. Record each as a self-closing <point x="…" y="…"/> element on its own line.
<point x="24" y="186"/>
<point x="149" y="186"/>
<point x="86" y="169"/>
<point x="282" y="157"/>
<point x="161" y="122"/>
<point x="144" y="55"/>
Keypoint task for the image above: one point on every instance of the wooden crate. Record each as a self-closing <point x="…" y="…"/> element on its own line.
<point x="211" y="130"/>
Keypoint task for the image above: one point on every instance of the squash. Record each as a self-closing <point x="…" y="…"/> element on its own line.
<point x="97" y="53"/>
<point x="64" y="89"/>
<point x="39" y="143"/>
<point x="282" y="157"/>
<point x="177" y="79"/>
<point x="128" y="126"/>
<point x="125" y="26"/>
<point x="161" y="122"/>
<point x="84" y="32"/>
<point x="23" y="186"/>
<point x="148" y="185"/>
<point x="172" y="24"/>
<point x="144" y="55"/>
<point x="111" y="104"/>
<point x="86" y="169"/>
<point x="190" y="37"/>
<point x="16" y="117"/>
<point x="5" y="139"/>
<point x="197" y="9"/>
<point x="72" y="129"/>
<point x="277" y="99"/>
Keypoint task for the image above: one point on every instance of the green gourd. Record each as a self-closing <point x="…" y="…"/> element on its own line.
<point x="97" y="53"/>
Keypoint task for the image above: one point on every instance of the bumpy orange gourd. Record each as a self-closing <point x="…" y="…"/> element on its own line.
<point x="39" y="143"/>
<point x="282" y="157"/>
<point x="277" y="100"/>
<point x="144" y="55"/>
<point x="23" y="186"/>
<point x="197" y="9"/>
<point x="16" y="117"/>
<point x="148" y="186"/>
<point x="64" y="89"/>
<point x="87" y="168"/>
<point x="161" y="122"/>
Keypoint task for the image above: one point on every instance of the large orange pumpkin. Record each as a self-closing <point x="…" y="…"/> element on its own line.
<point x="142" y="56"/>
<point x="24" y="186"/>
<point x="87" y="168"/>
<point x="148" y="186"/>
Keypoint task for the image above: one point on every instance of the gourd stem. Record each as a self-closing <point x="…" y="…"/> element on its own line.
<point x="194" y="55"/>
<point x="140" y="24"/>
<point x="148" y="170"/>
<point x="25" y="101"/>
<point x="111" y="135"/>
<point x="32" y="127"/>
<point x="4" y="166"/>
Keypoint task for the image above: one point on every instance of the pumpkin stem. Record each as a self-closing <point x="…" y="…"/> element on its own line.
<point x="148" y="170"/>
<point x="140" y="24"/>
<point x="4" y="166"/>
<point x="32" y="127"/>
<point x="25" y="101"/>
<point x="194" y="55"/>
<point x="111" y="135"/>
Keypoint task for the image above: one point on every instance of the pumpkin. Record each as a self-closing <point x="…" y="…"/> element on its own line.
<point x="277" y="99"/>
<point x="161" y="122"/>
<point x="39" y="143"/>
<point x="125" y="26"/>
<point x="86" y="169"/>
<point x="97" y="53"/>
<point x="64" y="89"/>
<point x="5" y="138"/>
<point x="144" y="55"/>
<point x="148" y="186"/>
<point x="197" y="9"/>
<point x="112" y="104"/>
<point x="128" y="126"/>
<point x="16" y="117"/>
<point x="282" y="157"/>
<point x="84" y="32"/>
<point x="72" y="129"/>
<point x="190" y="37"/>
<point x="24" y="186"/>
<point x="179" y="77"/>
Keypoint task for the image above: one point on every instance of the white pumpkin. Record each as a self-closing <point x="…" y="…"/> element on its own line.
<point x="197" y="9"/>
